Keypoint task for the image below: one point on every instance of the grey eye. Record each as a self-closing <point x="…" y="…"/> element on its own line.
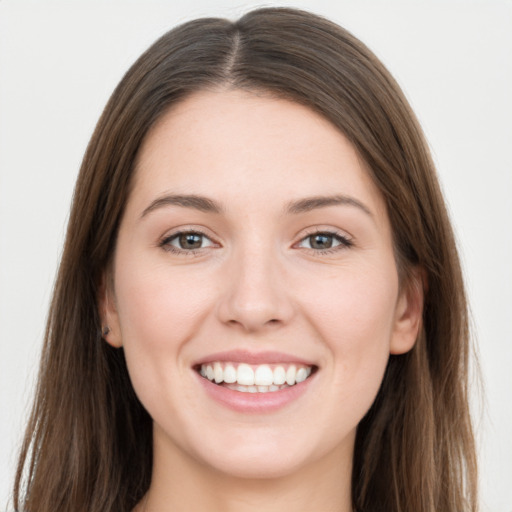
<point x="321" y="241"/>
<point x="190" y="241"/>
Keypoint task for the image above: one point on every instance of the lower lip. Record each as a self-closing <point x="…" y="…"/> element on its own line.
<point x="254" y="402"/>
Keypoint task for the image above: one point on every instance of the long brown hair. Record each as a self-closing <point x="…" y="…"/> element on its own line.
<point x="88" y="445"/>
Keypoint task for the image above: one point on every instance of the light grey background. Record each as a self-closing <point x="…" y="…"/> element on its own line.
<point x="59" y="62"/>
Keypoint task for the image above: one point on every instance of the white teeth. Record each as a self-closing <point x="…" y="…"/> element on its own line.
<point x="302" y="375"/>
<point x="263" y="376"/>
<point x="279" y="375"/>
<point x="229" y="374"/>
<point x="290" y="375"/>
<point x="254" y="379"/>
<point x="245" y="375"/>
<point x="218" y="373"/>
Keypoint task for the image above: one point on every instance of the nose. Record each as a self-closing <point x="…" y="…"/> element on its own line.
<point x="255" y="294"/>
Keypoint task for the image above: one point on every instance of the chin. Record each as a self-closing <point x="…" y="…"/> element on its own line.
<point x="262" y="454"/>
<point x="260" y="466"/>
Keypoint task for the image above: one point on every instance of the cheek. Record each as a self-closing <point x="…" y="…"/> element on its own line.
<point x="354" y="313"/>
<point x="159" y="312"/>
<point x="157" y="302"/>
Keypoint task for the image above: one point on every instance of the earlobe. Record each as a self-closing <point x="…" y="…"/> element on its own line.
<point x="409" y="312"/>
<point x="110" y="331"/>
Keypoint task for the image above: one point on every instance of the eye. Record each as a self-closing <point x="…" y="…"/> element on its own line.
<point x="324" y="241"/>
<point x="186" y="241"/>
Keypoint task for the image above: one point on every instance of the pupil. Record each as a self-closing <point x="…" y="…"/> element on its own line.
<point x="321" y="241"/>
<point x="190" y="241"/>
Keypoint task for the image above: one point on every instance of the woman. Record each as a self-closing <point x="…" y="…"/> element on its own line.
<point x="260" y="302"/>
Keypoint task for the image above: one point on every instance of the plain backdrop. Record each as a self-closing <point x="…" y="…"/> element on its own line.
<point x="59" y="62"/>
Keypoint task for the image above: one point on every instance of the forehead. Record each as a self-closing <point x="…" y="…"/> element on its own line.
<point x="244" y="147"/>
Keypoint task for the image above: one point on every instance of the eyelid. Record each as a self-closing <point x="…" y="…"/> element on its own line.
<point x="323" y="228"/>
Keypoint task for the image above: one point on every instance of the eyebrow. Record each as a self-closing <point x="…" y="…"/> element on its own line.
<point x="312" y="203"/>
<point x="204" y="204"/>
<point x="186" y="201"/>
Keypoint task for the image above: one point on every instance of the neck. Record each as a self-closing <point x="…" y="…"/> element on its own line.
<point x="180" y="482"/>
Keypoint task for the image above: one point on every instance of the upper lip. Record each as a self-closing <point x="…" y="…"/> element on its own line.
<point x="249" y="357"/>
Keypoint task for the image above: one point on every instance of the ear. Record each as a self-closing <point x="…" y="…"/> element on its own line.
<point x="409" y="312"/>
<point x="108" y="311"/>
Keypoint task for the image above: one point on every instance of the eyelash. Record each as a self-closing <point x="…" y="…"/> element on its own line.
<point x="344" y="242"/>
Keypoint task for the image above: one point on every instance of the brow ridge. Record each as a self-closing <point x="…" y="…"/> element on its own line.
<point x="207" y="205"/>
<point x="312" y="203"/>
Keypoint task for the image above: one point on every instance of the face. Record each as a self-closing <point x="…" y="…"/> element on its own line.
<point x="255" y="290"/>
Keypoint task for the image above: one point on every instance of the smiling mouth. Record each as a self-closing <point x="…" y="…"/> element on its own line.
<point x="263" y="378"/>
